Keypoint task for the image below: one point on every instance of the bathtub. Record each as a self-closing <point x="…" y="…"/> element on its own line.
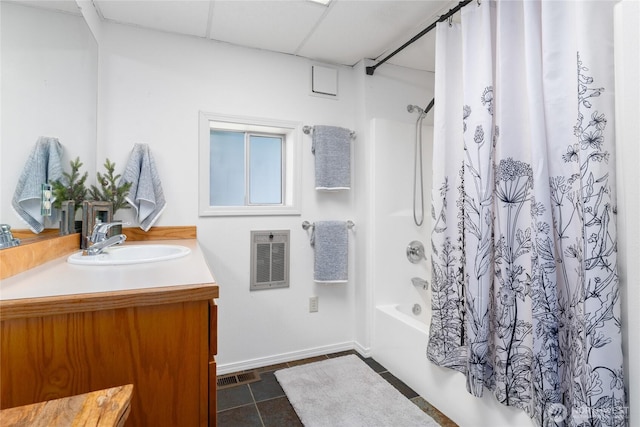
<point x="400" y="344"/>
<point x="405" y="314"/>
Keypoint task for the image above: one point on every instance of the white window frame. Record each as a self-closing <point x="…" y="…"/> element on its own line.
<point x="292" y="155"/>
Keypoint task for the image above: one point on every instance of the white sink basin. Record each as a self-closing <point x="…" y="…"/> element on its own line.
<point x="131" y="254"/>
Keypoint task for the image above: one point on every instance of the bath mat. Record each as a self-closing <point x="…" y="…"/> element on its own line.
<point x="345" y="392"/>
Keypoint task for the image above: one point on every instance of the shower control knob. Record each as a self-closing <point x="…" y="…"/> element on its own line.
<point x="415" y="252"/>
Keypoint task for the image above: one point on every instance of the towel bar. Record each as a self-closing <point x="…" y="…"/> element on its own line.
<point x="308" y="129"/>
<point x="307" y="225"/>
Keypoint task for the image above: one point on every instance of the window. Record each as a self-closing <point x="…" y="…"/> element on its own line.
<point x="245" y="168"/>
<point x="248" y="166"/>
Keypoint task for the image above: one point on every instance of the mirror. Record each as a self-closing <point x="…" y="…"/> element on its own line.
<point x="49" y="67"/>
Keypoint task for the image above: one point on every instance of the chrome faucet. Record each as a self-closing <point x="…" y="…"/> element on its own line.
<point x="100" y="231"/>
<point x="417" y="281"/>
<point x="100" y="242"/>
<point x="6" y="238"/>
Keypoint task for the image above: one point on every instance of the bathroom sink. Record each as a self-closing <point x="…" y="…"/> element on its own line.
<point x="131" y="254"/>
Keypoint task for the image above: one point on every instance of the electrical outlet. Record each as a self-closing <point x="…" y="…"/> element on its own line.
<point x="313" y="304"/>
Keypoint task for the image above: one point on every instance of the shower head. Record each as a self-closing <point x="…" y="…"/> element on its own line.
<point x="414" y="109"/>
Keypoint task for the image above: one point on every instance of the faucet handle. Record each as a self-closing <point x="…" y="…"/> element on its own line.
<point x="100" y="230"/>
<point x="6" y="237"/>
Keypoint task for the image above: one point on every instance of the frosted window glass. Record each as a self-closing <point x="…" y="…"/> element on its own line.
<point x="227" y="168"/>
<point x="248" y="166"/>
<point x="265" y="170"/>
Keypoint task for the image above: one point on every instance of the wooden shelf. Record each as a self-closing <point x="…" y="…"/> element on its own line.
<point x="103" y="408"/>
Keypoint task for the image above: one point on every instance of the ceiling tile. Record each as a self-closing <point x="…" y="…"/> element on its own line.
<point x="420" y="55"/>
<point x="69" y="6"/>
<point x="179" y="16"/>
<point x="343" y="33"/>
<point x="268" y="24"/>
<point x="364" y="29"/>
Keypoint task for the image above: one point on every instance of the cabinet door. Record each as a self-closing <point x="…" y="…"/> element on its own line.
<point x="163" y="350"/>
<point x="213" y="329"/>
<point x="213" y="350"/>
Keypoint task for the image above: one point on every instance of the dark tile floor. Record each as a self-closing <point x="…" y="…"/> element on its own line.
<point x="264" y="404"/>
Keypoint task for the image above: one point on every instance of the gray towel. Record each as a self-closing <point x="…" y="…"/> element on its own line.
<point x="332" y="149"/>
<point x="331" y="243"/>
<point x="146" y="195"/>
<point x="43" y="165"/>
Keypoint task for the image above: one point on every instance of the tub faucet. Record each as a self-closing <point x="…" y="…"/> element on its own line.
<point x="417" y="281"/>
<point x="99" y="241"/>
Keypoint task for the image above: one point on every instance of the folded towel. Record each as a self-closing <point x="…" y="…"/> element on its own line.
<point x="43" y="165"/>
<point x="331" y="243"/>
<point x="332" y="149"/>
<point x="146" y="195"/>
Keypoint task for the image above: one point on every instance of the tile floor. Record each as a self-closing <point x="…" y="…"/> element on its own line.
<point x="264" y="404"/>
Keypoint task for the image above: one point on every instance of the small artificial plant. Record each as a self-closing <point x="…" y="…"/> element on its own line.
<point x="109" y="190"/>
<point x="71" y="186"/>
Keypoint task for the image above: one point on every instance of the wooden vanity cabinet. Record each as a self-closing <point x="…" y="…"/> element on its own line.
<point x="161" y="340"/>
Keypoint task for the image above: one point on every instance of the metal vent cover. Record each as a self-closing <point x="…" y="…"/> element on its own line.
<point x="230" y="380"/>
<point x="269" y="259"/>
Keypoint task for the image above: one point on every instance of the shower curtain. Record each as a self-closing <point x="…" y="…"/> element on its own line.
<point x="525" y="296"/>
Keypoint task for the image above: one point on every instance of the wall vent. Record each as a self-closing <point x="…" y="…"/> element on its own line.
<point x="231" y="380"/>
<point x="269" y="259"/>
<point x="324" y="81"/>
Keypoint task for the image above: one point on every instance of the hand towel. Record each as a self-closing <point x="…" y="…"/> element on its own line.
<point x="43" y="165"/>
<point x="331" y="244"/>
<point x="146" y="195"/>
<point x="332" y="149"/>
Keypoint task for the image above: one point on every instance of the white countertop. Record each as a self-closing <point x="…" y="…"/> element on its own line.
<point x="58" y="277"/>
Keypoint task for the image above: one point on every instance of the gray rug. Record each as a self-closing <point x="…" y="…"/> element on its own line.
<point x="345" y="392"/>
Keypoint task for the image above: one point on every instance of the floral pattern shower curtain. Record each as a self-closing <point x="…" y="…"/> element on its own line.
<point x="525" y="298"/>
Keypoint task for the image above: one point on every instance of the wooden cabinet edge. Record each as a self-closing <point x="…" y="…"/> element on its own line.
<point x="213" y="328"/>
<point x="213" y="351"/>
<point x="213" y="401"/>
<point x="22" y="258"/>
<point x="160" y="233"/>
<point x="64" y="304"/>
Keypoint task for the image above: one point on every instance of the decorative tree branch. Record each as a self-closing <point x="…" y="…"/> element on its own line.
<point x="71" y="187"/>
<point x="109" y="191"/>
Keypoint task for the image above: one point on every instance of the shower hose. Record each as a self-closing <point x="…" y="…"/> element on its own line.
<point x="418" y="187"/>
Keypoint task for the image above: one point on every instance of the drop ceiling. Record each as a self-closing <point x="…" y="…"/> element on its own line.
<point x="343" y="32"/>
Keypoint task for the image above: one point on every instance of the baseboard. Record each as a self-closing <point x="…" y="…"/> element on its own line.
<point x="228" y="368"/>
<point x="364" y="351"/>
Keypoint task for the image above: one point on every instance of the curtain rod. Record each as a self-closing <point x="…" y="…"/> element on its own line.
<point x="430" y="106"/>
<point x="372" y="69"/>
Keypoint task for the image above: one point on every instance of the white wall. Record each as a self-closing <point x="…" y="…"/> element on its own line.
<point x="627" y="57"/>
<point x="152" y="87"/>
<point x="393" y="209"/>
<point x="384" y="96"/>
<point x="392" y="88"/>
<point x="49" y="80"/>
